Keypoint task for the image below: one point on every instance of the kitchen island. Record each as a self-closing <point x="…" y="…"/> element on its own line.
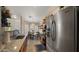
<point x="16" y="45"/>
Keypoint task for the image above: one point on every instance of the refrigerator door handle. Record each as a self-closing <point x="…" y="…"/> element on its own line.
<point x="53" y="31"/>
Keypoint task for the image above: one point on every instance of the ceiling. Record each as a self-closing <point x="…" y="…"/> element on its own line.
<point x="29" y="13"/>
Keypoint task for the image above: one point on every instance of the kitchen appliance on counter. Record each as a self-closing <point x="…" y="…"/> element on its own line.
<point x="63" y="30"/>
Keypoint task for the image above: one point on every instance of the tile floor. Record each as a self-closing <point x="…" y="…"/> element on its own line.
<point x="35" y="46"/>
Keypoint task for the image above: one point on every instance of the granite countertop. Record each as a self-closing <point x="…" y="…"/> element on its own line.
<point x="13" y="46"/>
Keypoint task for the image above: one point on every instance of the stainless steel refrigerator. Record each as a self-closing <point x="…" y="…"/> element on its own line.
<point x="62" y="28"/>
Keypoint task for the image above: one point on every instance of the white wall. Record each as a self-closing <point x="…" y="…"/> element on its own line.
<point x="23" y="26"/>
<point x="37" y="12"/>
<point x="26" y="29"/>
<point x="20" y="24"/>
<point x="15" y="23"/>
